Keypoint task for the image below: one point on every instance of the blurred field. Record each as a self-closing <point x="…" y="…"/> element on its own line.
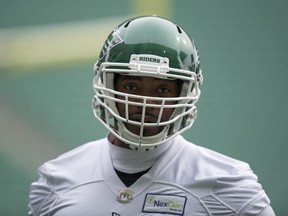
<point x="45" y="96"/>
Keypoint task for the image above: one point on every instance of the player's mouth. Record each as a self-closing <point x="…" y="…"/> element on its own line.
<point x="148" y="118"/>
<point x="148" y="130"/>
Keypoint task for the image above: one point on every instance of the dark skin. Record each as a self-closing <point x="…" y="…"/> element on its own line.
<point x="145" y="86"/>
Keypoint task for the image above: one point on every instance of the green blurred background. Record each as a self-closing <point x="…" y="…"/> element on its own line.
<point x="47" y="51"/>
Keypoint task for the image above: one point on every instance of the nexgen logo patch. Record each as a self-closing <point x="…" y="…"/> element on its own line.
<point x="164" y="203"/>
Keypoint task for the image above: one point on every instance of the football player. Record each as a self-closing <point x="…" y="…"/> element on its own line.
<point x="147" y="83"/>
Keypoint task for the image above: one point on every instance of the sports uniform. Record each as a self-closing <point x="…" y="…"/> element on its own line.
<point x="185" y="180"/>
<point x="147" y="83"/>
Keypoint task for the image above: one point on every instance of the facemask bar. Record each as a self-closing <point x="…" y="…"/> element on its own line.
<point x="101" y="100"/>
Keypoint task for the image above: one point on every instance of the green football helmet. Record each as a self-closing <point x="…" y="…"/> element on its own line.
<point x="147" y="46"/>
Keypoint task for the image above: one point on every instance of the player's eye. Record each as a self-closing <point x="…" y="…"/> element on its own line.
<point x="163" y="90"/>
<point x="130" y="87"/>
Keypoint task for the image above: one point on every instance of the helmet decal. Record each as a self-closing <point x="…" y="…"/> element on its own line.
<point x="113" y="40"/>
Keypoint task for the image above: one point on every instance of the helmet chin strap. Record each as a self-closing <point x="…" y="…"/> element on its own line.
<point x="143" y="143"/>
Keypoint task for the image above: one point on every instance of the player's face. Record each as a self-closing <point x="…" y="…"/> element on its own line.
<point x="145" y="86"/>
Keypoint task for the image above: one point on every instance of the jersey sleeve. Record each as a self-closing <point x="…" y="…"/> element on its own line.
<point x="267" y="212"/>
<point x="41" y="193"/>
<point x="241" y="193"/>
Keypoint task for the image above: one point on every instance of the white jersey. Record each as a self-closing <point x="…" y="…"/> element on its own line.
<point x="186" y="180"/>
